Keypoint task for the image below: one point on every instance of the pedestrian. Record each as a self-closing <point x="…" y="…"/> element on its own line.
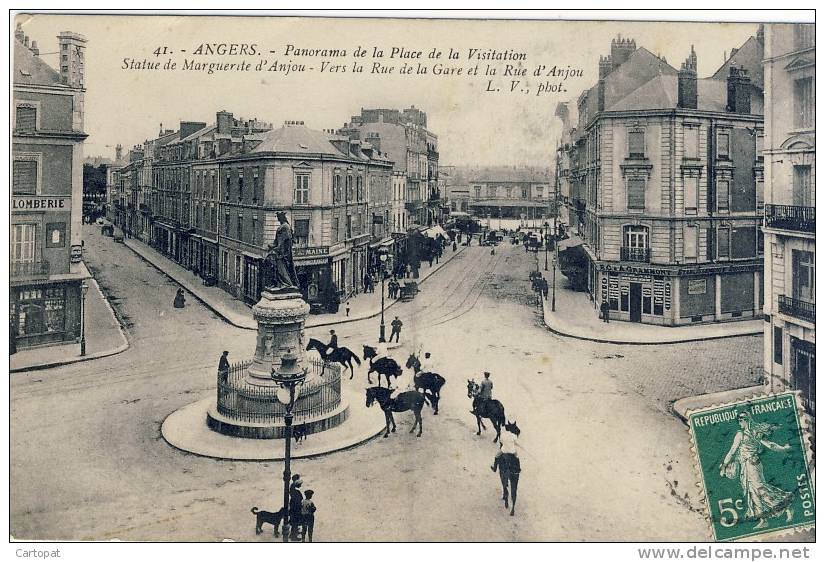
<point x="366" y="282"/>
<point x="223" y="367"/>
<point x="545" y="288"/>
<point x="409" y="271"/>
<point x="396" y="329"/>
<point x="347" y="308"/>
<point x="180" y="299"/>
<point x="296" y="498"/>
<point x="454" y="246"/>
<point x="12" y="338"/>
<point x="605" y="310"/>
<point x="430" y="259"/>
<point x="307" y="515"/>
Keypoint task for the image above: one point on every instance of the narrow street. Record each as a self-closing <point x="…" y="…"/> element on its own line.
<point x="599" y="441"/>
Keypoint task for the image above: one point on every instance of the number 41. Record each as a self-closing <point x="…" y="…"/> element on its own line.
<point x="727" y="505"/>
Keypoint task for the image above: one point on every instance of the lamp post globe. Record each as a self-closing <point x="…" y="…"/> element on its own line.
<point x="289" y="377"/>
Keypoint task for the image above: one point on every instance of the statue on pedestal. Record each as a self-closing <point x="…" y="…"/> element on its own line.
<point x="279" y="269"/>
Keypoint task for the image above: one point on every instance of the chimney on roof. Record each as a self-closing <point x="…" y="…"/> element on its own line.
<point x="26" y="40"/>
<point x="733" y="52"/>
<point x="620" y="51"/>
<point x="739" y="90"/>
<point x="687" y="83"/>
<point x="119" y="152"/>
<point x="760" y="33"/>
<point x="224" y="122"/>
<point x="72" y="59"/>
<point x="18" y="32"/>
<point x="35" y="49"/>
<point x="604" y="66"/>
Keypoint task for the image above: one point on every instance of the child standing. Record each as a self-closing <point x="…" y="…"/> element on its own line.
<point x="308" y="515"/>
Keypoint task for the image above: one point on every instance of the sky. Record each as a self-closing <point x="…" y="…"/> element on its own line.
<point x="474" y="127"/>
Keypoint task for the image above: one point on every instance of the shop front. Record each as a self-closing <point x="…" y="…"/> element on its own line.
<point x="44" y="314"/>
<point x="637" y="297"/>
<point x="317" y="277"/>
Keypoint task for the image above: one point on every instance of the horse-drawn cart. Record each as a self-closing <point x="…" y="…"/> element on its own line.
<point x="409" y="290"/>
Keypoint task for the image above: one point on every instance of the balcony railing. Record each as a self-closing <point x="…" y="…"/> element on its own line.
<point x="797" y="308"/>
<point x="29" y="269"/>
<point x="635" y="254"/>
<point x="791" y="217"/>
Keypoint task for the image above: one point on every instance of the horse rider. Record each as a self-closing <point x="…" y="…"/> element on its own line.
<point x="507" y="445"/>
<point x="485" y="389"/>
<point x="333" y="342"/>
<point x="426" y="364"/>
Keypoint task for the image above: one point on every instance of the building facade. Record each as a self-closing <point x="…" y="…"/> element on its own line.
<point x="505" y="197"/>
<point x="46" y="270"/>
<point x="665" y="186"/>
<point x="790" y="214"/>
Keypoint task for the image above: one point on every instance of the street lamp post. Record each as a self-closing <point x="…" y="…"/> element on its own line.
<point x="84" y="288"/>
<point x="546" y="242"/>
<point x="382" y="255"/>
<point x="289" y="377"/>
<point x="555" y="263"/>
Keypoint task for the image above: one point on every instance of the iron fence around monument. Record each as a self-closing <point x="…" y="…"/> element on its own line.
<point x="241" y="401"/>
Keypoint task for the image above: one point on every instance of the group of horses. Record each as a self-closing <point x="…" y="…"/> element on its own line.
<point x="427" y="390"/>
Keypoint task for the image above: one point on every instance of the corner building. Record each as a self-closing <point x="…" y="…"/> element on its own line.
<point x="666" y="178"/>
<point x="45" y="266"/>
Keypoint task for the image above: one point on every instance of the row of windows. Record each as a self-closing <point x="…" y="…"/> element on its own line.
<point x="509" y="191"/>
<point x="736" y="243"/>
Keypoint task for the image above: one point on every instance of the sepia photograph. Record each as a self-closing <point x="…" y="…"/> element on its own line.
<point x="411" y="278"/>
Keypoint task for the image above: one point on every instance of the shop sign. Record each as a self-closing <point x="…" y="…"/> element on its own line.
<point x="40" y="203"/>
<point x="377" y="219"/>
<point x="77" y="254"/>
<point x="310" y="251"/>
<point x="697" y="286"/>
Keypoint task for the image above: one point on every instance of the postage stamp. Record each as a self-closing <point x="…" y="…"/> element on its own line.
<point x="754" y="466"/>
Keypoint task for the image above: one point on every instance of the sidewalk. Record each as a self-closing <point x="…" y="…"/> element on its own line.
<point x="237" y="313"/>
<point x="576" y="317"/>
<point x="104" y="336"/>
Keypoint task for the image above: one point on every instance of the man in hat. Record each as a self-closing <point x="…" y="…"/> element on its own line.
<point x="307" y="515"/>
<point x="333" y="342"/>
<point x="295" y="500"/>
<point x="223" y="367"/>
<point x="396" y="329"/>
<point x="486" y="391"/>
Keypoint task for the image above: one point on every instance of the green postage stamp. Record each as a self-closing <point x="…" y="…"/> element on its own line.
<point x="753" y="460"/>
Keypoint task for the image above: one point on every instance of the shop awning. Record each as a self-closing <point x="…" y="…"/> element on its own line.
<point x="434" y="231"/>
<point x="301" y="262"/>
<point x="571" y="242"/>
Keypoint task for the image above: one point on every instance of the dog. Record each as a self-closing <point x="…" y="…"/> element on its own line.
<point x="299" y="432"/>
<point x="273" y="518"/>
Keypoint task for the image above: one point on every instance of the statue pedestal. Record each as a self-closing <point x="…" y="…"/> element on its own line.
<point x="280" y="316"/>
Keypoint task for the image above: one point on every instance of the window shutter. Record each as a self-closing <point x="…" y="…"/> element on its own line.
<point x="25" y="177"/>
<point x="26" y="119"/>
<point x="691" y="142"/>
<point x="722" y="195"/>
<point x="724" y="242"/>
<point x="636" y="193"/>
<point x="691" y="194"/>
<point x="302" y="228"/>
<point x="637" y="144"/>
<point x="690" y="242"/>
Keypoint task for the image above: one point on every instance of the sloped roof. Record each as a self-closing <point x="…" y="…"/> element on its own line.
<point x="31" y="69"/>
<point x="749" y="56"/>
<point x="298" y="139"/>
<point x="197" y="134"/>
<point x="641" y="67"/>
<point x="663" y="93"/>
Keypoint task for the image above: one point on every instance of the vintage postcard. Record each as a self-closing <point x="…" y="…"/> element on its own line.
<point x="411" y="277"/>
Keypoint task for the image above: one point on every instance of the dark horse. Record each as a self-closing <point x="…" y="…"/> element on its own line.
<point x="490" y="409"/>
<point x="426" y="381"/>
<point x="410" y="400"/>
<point x="384" y="366"/>
<point x="340" y="355"/>
<point x="509" y="470"/>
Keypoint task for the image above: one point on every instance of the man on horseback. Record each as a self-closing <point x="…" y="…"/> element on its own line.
<point x="485" y="391"/>
<point x="333" y="342"/>
<point x="507" y="446"/>
<point x="426" y="365"/>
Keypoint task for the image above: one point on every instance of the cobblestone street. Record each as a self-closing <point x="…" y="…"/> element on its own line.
<point x="575" y="401"/>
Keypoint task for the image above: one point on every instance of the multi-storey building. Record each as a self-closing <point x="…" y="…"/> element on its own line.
<point x="790" y="214"/>
<point x="322" y="181"/>
<point x="46" y="270"/>
<point x="512" y="195"/>
<point x="403" y="136"/>
<point x="666" y="183"/>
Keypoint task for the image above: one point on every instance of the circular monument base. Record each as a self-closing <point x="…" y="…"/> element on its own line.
<point x="186" y="429"/>
<point x="251" y="430"/>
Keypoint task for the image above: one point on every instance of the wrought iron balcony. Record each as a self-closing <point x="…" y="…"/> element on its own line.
<point x="797" y="308"/>
<point x="791" y="217"/>
<point x="28" y="269"/>
<point x="635" y="254"/>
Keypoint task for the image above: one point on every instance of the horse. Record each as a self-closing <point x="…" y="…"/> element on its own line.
<point x="409" y="400"/>
<point x="383" y="366"/>
<point x="490" y="409"/>
<point x="426" y="381"/>
<point x="340" y="355"/>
